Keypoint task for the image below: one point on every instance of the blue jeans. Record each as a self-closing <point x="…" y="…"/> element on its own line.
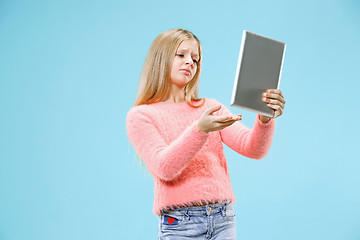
<point x="213" y="221"/>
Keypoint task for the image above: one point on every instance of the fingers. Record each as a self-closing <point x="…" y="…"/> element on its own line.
<point x="275" y="94"/>
<point x="226" y="121"/>
<point x="278" y="111"/>
<point x="209" y="122"/>
<point x="223" y="119"/>
<point x="275" y="100"/>
<point x="222" y="125"/>
<point x="275" y="91"/>
<point x="226" y="124"/>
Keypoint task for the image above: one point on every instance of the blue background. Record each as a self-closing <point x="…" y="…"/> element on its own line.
<point x="69" y="73"/>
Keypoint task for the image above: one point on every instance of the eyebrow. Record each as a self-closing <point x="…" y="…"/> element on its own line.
<point x="186" y="50"/>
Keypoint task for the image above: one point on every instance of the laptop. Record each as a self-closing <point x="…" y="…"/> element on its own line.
<point x="259" y="68"/>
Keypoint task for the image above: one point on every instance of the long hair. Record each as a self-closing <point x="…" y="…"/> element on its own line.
<point x="155" y="77"/>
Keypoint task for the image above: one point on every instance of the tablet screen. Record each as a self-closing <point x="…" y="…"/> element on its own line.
<point x="259" y="68"/>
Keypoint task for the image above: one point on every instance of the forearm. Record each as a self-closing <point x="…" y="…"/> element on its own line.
<point x="166" y="161"/>
<point x="253" y="143"/>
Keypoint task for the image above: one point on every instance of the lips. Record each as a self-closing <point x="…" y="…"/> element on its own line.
<point x="186" y="71"/>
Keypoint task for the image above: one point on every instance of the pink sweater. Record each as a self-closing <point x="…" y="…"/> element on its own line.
<point x="189" y="166"/>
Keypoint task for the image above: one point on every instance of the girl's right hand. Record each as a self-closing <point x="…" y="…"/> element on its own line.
<point x="210" y="123"/>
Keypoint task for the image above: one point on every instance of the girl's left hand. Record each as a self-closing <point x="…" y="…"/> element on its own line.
<point x="275" y="100"/>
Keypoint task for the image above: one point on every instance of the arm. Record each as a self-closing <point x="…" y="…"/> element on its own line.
<point x="163" y="160"/>
<point x="253" y="143"/>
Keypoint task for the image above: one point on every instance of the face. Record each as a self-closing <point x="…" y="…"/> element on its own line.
<point x="185" y="63"/>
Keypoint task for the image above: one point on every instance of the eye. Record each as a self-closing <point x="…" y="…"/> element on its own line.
<point x="195" y="61"/>
<point x="180" y="55"/>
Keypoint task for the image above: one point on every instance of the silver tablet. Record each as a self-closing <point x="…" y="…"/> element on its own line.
<point x="259" y="68"/>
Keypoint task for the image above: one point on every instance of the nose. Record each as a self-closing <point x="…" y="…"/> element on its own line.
<point x="189" y="61"/>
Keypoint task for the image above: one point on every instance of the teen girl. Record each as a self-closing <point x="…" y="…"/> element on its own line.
<point x="179" y="137"/>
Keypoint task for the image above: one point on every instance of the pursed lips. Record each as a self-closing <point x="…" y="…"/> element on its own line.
<point x="186" y="71"/>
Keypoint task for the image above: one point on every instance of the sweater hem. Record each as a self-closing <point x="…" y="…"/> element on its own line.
<point x="193" y="204"/>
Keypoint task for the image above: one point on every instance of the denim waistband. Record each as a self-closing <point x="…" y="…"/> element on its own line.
<point x="202" y="210"/>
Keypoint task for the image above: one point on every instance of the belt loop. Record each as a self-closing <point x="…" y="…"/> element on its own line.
<point x="223" y="209"/>
<point x="161" y="220"/>
<point x="187" y="213"/>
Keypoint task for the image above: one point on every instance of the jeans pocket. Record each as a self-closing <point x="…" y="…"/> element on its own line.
<point x="171" y="220"/>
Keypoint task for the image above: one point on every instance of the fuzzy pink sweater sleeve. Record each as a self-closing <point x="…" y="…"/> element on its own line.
<point x="165" y="161"/>
<point x="252" y="143"/>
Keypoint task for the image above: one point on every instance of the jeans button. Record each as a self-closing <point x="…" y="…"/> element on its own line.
<point x="209" y="209"/>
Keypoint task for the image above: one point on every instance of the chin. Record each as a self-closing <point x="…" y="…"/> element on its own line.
<point x="182" y="83"/>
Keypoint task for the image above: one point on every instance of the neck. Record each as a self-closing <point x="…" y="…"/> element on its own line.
<point x="176" y="94"/>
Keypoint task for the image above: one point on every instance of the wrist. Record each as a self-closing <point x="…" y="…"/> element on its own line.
<point x="264" y="119"/>
<point x="199" y="127"/>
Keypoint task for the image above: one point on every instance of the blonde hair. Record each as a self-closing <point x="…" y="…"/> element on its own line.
<point x="155" y="77"/>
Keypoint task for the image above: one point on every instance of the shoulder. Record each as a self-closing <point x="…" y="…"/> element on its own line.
<point x="146" y="112"/>
<point x="138" y="118"/>
<point x="138" y="112"/>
